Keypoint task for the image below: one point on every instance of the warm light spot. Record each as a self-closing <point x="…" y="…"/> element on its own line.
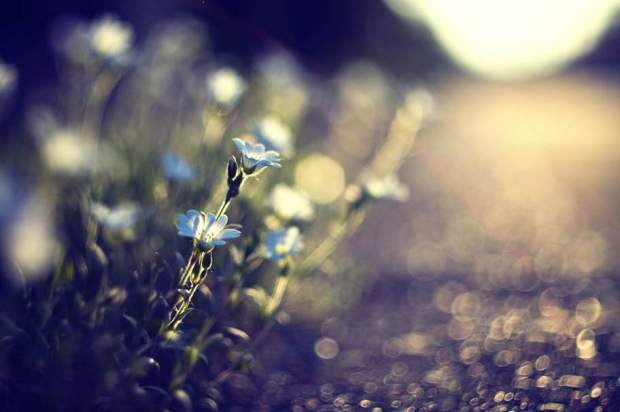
<point x="415" y="343"/>
<point x="586" y="344"/>
<point x="466" y="306"/>
<point x="597" y="390"/>
<point x="572" y="381"/>
<point x="469" y="352"/>
<point x="504" y="358"/>
<point x="588" y="310"/>
<point x="542" y="362"/>
<point x="326" y="348"/>
<point x="526" y="369"/>
<point x="544" y="382"/>
<point x="320" y="177"/>
<point x="445" y="294"/>
<point x="460" y="330"/>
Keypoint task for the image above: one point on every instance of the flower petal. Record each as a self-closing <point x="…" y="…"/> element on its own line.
<point x="228" y="234"/>
<point x="240" y="144"/>
<point x="210" y="219"/>
<point x="222" y="220"/>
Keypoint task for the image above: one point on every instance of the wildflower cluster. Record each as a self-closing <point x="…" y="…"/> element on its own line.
<point x="147" y="141"/>
<point x="210" y="230"/>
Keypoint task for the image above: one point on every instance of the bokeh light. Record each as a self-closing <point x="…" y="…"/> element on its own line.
<point x="320" y="177"/>
<point x="514" y="38"/>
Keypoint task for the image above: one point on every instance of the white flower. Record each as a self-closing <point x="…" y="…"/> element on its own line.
<point x="176" y="168"/>
<point x="8" y="78"/>
<point x="118" y="218"/>
<point x="67" y="151"/>
<point x="191" y="224"/>
<point x="283" y="243"/>
<point x="109" y="37"/>
<point x="30" y="240"/>
<point x="275" y="135"/>
<point x="255" y="156"/>
<point x="106" y="39"/>
<point x="205" y="228"/>
<point x="388" y="187"/>
<point x="225" y="86"/>
<point x="291" y="204"/>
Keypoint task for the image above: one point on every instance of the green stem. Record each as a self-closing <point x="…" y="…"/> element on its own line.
<point x="279" y="290"/>
<point x="189" y="268"/>
<point x="223" y="208"/>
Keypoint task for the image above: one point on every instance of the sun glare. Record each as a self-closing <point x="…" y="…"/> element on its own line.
<point x="512" y="39"/>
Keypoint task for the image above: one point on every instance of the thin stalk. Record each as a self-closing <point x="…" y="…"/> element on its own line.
<point x="189" y="268"/>
<point x="330" y="244"/>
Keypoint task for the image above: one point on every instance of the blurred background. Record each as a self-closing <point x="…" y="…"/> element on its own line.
<point x="501" y="268"/>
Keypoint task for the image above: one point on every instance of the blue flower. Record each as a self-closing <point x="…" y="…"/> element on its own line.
<point x="191" y="224"/>
<point x="206" y="228"/>
<point x="255" y="157"/>
<point x="104" y="40"/>
<point x="176" y="168"/>
<point x="118" y="218"/>
<point x="283" y="243"/>
<point x="275" y="135"/>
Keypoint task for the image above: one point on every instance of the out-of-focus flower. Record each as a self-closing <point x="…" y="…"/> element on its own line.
<point x="110" y="38"/>
<point x="118" y="218"/>
<point x="66" y="149"/>
<point x="283" y="243"/>
<point x="291" y="204"/>
<point x="8" y="78"/>
<point x="176" y="168"/>
<point x="275" y="135"/>
<point x="30" y="241"/>
<point x="68" y="152"/>
<point x="225" y="86"/>
<point x="387" y="187"/>
<point x="105" y="39"/>
<point x="255" y="157"/>
<point x="178" y="40"/>
<point x="206" y="228"/>
<point x="283" y="88"/>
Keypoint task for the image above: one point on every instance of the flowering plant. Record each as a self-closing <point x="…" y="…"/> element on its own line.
<point x="158" y="320"/>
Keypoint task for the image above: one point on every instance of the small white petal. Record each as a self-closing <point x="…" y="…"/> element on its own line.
<point x="240" y="144"/>
<point x="222" y="220"/>
<point x="228" y="234"/>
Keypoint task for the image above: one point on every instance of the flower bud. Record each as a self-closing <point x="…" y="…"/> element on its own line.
<point x="232" y="169"/>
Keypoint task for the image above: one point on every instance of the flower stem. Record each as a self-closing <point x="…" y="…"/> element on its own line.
<point x="327" y="247"/>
